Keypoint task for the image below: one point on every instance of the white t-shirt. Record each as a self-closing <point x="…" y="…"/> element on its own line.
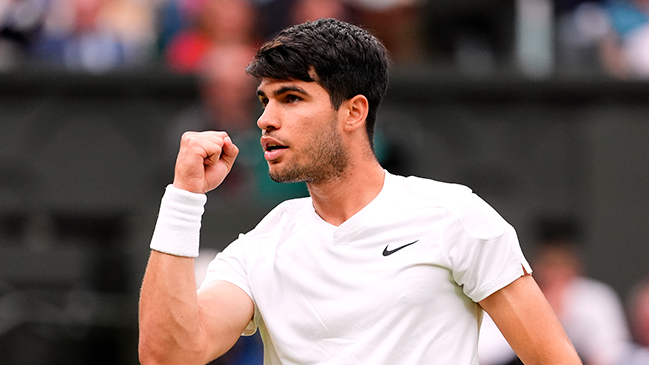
<point x="397" y="283"/>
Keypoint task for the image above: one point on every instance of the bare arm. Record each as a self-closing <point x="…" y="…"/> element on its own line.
<point x="528" y="323"/>
<point x="177" y="324"/>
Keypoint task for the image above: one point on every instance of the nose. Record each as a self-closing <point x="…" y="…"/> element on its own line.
<point x="268" y="119"/>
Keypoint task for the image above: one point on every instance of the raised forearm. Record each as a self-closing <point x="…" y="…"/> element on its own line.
<point x="173" y="329"/>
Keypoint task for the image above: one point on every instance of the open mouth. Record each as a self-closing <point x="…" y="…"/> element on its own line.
<point x="272" y="147"/>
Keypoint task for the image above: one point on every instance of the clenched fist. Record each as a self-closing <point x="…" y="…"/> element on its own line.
<point x="204" y="160"/>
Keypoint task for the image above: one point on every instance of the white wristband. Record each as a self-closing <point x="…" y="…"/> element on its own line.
<point x="177" y="231"/>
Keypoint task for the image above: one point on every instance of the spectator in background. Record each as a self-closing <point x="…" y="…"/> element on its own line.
<point x="309" y="10"/>
<point x="226" y="89"/>
<point x="590" y="311"/>
<point x="278" y="14"/>
<point x="20" y="24"/>
<point x="638" y="309"/>
<point x="226" y="101"/>
<point x="95" y="35"/>
<point x="639" y="313"/>
<point x="210" y="23"/>
<point x="101" y="36"/>
<point x="580" y="26"/>
<point x="397" y="23"/>
<point x="625" y="48"/>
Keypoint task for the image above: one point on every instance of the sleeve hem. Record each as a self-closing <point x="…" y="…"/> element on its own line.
<point x="522" y="269"/>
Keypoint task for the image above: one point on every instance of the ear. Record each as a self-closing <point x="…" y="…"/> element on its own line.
<point x="355" y="112"/>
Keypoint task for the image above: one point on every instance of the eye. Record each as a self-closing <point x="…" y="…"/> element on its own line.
<point x="290" y="98"/>
<point x="263" y="100"/>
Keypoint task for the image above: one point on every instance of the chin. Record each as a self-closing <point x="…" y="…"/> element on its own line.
<point x="285" y="175"/>
<point x="281" y="178"/>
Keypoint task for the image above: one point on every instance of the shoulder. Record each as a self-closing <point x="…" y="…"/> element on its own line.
<point x="428" y="188"/>
<point x="459" y="202"/>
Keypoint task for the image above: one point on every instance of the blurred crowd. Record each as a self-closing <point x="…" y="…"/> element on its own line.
<point x="612" y="34"/>
<point x="105" y="35"/>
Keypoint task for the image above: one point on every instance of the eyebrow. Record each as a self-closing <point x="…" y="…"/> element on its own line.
<point x="283" y="90"/>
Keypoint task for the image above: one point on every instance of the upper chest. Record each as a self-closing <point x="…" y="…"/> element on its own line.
<point x="393" y="258"/>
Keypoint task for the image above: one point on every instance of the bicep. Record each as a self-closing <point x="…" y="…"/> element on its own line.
<point x="527" y="321"/>
<point x="225" y="310"/>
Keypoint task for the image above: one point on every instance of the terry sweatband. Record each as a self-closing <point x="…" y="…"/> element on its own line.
<point x="177" y="231"/>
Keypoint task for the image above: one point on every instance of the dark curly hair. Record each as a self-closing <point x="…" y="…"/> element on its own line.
<point x="346" y="59"/>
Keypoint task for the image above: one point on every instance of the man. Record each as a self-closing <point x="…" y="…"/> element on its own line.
<point x="372" y="268"/>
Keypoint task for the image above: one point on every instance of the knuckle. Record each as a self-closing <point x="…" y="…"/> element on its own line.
<point x="186" y="137"/>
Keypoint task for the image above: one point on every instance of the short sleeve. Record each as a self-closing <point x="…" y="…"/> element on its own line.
<point x="229" y="265"/>
<point x="483" y="249"/>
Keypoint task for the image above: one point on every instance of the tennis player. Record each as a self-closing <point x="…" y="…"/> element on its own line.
<point x="372" y="268"/>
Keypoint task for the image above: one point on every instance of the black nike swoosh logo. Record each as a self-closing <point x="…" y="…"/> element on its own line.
<point x="387" y="252"/>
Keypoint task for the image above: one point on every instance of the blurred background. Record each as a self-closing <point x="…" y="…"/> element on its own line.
<point x="540" y="106"/>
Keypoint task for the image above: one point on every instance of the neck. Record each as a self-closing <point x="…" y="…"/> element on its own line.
<point x="338" y="200"/>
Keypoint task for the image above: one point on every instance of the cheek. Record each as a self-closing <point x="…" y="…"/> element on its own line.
<point x="311" y="124"/>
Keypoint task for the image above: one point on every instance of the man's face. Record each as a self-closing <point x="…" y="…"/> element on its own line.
<point x="301" y="137"/>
